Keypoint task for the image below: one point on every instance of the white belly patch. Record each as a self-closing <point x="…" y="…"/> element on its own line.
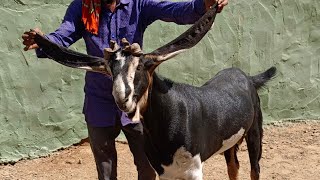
<point x="183" y="167"/>
<point x="228" y="143"/>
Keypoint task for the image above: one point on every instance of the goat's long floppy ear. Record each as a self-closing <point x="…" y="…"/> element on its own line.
<point x="71" y="58"/>
<point x="186" y="40"/>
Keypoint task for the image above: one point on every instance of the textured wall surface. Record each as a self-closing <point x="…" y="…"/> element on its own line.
<point x="41" y="101"/>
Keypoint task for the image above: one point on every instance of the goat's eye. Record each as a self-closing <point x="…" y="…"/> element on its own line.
<point x="139" y="67"/>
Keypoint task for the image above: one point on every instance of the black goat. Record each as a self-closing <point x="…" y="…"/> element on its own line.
<point x="184" y="125"/>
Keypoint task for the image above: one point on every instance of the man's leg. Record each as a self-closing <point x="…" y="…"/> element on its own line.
<point x="102" y="141"/>
<point x="134" y="135"/>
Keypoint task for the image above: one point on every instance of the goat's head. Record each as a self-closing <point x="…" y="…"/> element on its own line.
<point x="131" y="74"/>
<point x="130" y="69"/>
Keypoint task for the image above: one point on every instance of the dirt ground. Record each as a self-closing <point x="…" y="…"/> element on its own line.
<point x="291" y="151"/>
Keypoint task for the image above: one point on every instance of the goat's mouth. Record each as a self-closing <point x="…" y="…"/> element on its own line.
<point x="127" y="107"/>
<point x="131" y="112"/>
<point x="131" y="115"/>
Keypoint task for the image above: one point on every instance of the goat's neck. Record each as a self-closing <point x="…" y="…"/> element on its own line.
<point x="159" y="85"/>
<point x="159" y="90"/>
<point x="158" y="118"/>
<point x="154" y="119"/>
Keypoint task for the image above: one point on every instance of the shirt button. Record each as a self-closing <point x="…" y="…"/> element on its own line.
<point x="113" y="36"/>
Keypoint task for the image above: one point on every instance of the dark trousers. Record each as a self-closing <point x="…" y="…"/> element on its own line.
<point x="102" y="141"/>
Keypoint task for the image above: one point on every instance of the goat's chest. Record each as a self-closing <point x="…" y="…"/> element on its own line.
<point x="183" y="166"/>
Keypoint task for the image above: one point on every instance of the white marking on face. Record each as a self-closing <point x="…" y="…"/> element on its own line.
<point x="120" y="58"/>
<point x="131" y="72"/>
<point x="119" y="86"/>
<point x="184" y="166"/>
<point x="228" y="143"/>
<point x="118" y="89"/>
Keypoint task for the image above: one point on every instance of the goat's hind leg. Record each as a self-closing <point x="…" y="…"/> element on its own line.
<point x="254" y="143"/>
<point x="232" y="162"/>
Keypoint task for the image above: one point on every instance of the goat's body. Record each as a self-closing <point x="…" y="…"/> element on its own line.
<point x="184" y="125"/>
<point x="202" y="120"/>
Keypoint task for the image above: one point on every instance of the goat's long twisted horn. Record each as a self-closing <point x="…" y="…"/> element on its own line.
<point x="69" y="57"/>
<point x="186" y="40"/>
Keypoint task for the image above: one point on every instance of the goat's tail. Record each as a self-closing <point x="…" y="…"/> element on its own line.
<point x="260" y="79"/>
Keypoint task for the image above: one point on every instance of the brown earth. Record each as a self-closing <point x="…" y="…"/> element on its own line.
<point x="291" y="151"/>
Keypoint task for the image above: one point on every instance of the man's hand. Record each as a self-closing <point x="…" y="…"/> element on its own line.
<point x="221" y="4"/>
<point x="28" y="39"/>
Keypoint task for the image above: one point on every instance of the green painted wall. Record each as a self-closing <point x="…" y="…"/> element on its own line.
<point x="41" y="101"/>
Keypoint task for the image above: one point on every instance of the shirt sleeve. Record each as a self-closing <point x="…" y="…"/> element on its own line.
<point x="70" y="30"/>
<point x="187" y="12"/>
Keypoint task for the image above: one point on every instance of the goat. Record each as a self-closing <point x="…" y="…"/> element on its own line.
<point x="183" y="125"/>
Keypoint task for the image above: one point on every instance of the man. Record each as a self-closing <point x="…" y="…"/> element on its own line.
<point x="98" y="22"/>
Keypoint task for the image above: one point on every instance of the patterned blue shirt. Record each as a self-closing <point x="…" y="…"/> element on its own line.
<point x="129" y="20"/>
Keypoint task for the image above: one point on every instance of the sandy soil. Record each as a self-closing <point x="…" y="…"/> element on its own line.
<point x="291" y="151"/>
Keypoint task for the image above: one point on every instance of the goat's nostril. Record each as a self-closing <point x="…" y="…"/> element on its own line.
<point x="126" y="99"/>
<point x="122" y="106"/>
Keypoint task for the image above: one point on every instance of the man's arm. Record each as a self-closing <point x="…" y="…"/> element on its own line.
<point x="69" y="32"/>
<point x="71" y="28"/>
<point x="185" y="12"/>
